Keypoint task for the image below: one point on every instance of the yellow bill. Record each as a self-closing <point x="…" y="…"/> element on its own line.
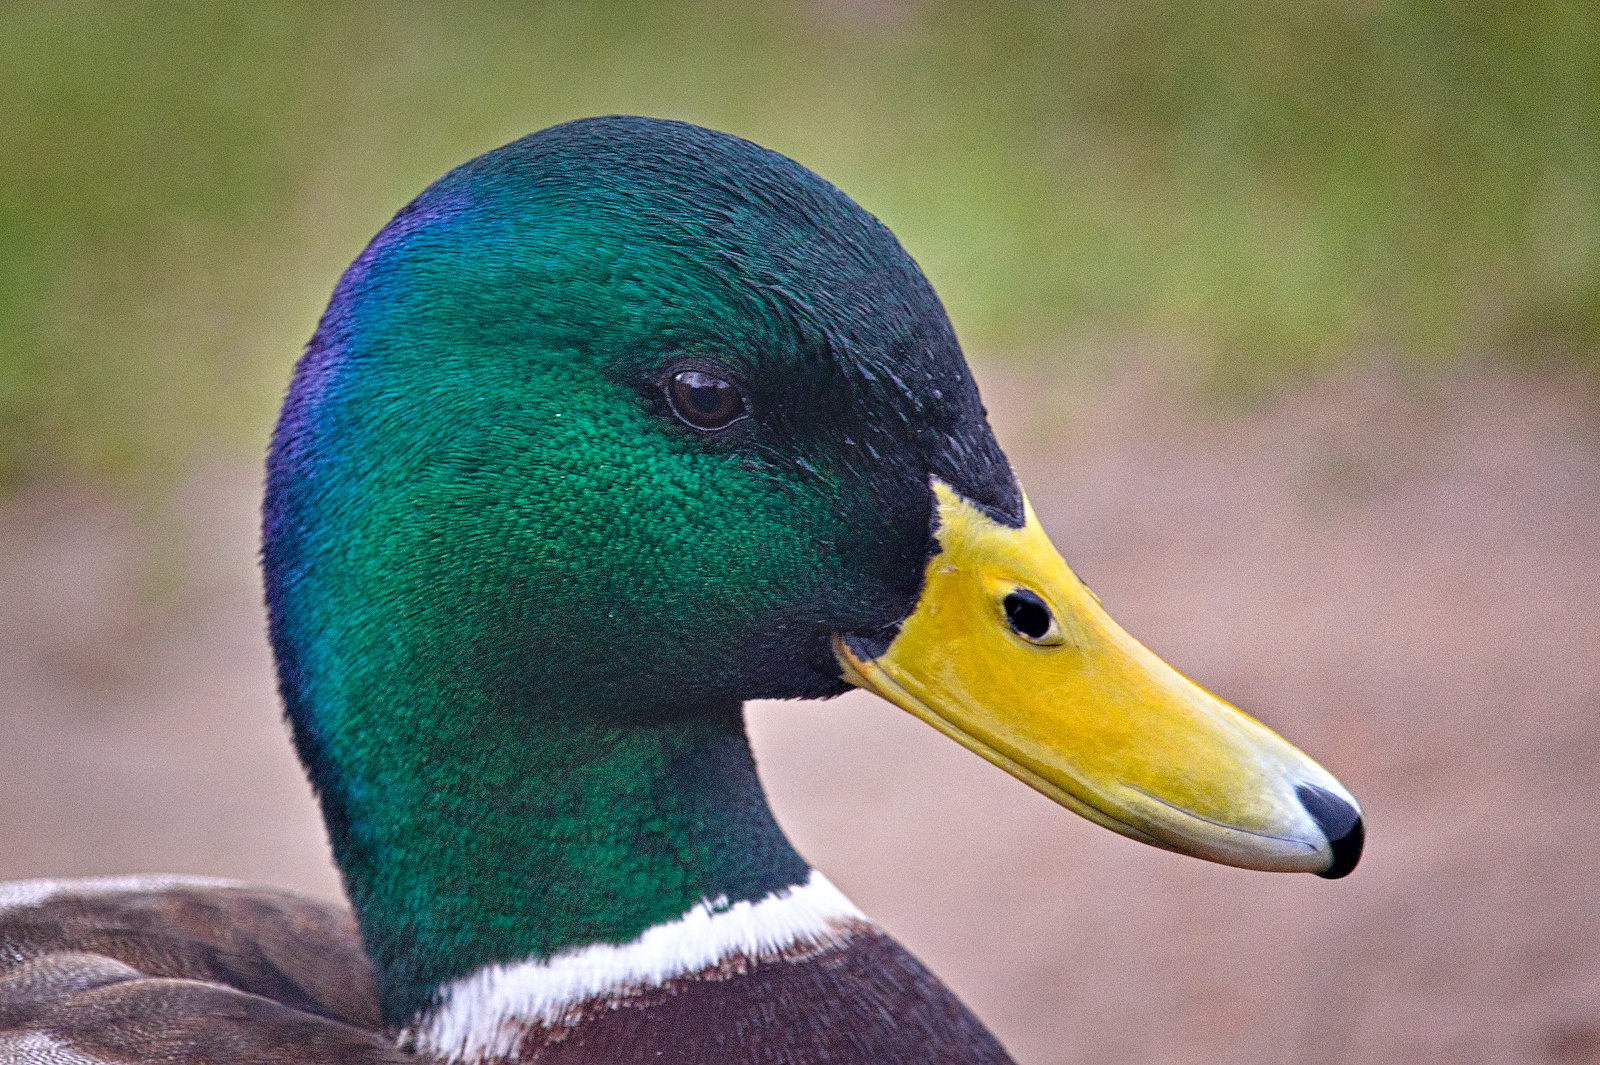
<point x="1010" y="655"/>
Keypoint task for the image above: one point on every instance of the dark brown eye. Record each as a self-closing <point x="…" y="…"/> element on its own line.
<point x="704" y="401"/>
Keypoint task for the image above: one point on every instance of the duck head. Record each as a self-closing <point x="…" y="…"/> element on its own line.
<point x="614" y="428"/>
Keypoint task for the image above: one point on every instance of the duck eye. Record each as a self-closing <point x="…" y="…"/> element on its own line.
<point x="704" y="401"/>
<point x="1030" y="618"/>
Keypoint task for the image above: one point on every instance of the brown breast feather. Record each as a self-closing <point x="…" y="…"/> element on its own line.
<point x="868" y="1000"/>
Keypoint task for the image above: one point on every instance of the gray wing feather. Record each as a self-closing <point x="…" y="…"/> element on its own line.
<point x="111" y="973"/>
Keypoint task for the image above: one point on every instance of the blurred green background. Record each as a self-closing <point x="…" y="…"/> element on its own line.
<point x="1325" y="235"/>
<point x="1271" y="190"/>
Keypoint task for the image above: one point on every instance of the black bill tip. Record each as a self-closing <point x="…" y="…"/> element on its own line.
<point x="1340" y="822"/>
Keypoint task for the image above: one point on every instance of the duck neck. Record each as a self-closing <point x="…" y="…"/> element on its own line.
<point x="472" y="836"/>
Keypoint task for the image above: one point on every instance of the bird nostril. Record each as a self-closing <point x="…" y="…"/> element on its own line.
<point x="1340" y="822"/>
<point x="1028" y="615"/>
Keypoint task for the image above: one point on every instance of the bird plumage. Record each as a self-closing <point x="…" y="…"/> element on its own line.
<point x="608" y="431"/>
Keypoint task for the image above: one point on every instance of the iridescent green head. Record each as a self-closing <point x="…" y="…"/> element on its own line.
<point x="609" y="430"/>
<point x="612" y="429"/>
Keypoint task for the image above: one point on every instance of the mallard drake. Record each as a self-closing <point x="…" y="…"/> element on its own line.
<point x="608" y="431"/>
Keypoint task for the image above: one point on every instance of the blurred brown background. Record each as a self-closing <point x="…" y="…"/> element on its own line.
<point x="1288" y="317"/>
